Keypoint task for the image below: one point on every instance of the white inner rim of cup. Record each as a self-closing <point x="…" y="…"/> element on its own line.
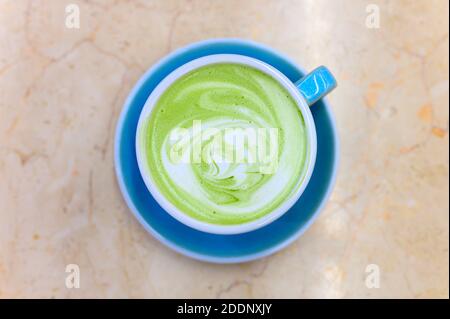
<point x="168" y="81"/>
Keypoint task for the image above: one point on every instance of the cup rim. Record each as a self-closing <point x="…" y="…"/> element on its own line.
<point x="170" y="208"/>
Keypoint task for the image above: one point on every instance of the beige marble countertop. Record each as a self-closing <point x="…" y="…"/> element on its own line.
<point x="61" y="91"/>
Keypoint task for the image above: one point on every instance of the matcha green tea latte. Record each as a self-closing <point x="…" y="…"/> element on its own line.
<point x="225" y="144"/>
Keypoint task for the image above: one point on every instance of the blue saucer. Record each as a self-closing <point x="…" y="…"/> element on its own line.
<point x="222" y="248"/>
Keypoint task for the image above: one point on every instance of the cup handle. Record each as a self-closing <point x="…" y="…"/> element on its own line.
<point x="316" y="84"/>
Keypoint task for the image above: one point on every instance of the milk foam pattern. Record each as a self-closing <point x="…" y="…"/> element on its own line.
<point x="226" y="96"/>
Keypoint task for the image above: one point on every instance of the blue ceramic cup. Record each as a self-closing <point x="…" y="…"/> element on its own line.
<point x="305" y="92"/>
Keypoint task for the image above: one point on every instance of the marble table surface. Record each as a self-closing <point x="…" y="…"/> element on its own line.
<point x="61" y="91"/>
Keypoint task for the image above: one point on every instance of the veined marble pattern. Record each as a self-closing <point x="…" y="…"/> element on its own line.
<point x="61" y="91"/>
